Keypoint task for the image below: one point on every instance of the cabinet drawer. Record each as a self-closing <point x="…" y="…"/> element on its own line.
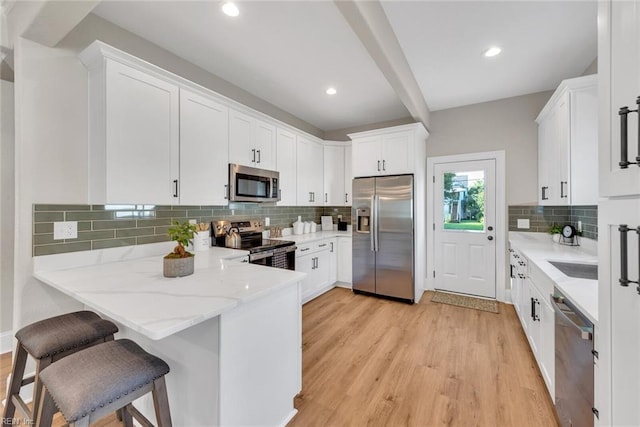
<point x="312" y="247"/>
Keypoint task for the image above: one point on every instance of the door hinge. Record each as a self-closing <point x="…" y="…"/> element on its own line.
<point x="596" y="412"/>
<point x="434" y="273"/>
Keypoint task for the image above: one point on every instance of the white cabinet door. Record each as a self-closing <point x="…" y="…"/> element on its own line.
<point x="333" y="260"/>
<point x="306" y="264"/>
<point x="553" y="153"/>
<point x="265" y="145"/>
<point x="310" y="167"/>
<point x="322" y="270"/>
<point x="252" y="142"/>
<point x="545" y="163"/>
<point x="204" y="137"/>
<point x="618" y="343"/>
<point x="619" y="84"/>
<point x="286" y="149"/>
<point x="241" y="148"/>
<point x="138" y="162"/>
<point x="333" y="175"/>
<point x="366" y="156"/>
<point x="548" y="356"/>
<point x="348" y="175"/>
<point x="583" y="158"/>
<point x="344" y="260"/>
<point x="396" y="153"/>
<point x="561" y="152"/>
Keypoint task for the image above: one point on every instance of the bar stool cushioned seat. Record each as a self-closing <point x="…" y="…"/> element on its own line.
<point x="53" y="336"/>
<point x="99" y="376"/>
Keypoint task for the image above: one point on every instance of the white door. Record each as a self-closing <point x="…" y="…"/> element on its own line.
<point x="464" y="222"/>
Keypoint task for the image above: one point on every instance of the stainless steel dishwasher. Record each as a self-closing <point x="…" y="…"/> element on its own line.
<point x="574" y="363"/>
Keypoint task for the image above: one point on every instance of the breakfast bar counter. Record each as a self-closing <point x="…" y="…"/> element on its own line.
<point x="230" y="332"/>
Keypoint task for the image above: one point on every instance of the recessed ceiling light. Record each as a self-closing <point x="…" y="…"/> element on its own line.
<point x="230" y="9"/>
<point x="331" y="91"/>
<point x="492" y="51"/>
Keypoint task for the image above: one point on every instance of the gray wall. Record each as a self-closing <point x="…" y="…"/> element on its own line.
<point x="592" y="68"/>
<point x="6" y="205"/>
<point x="507" y="124"/>
<point x="95" y="28"/>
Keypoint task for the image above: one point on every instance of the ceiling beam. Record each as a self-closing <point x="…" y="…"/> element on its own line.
<point x="44" y="21"/>
<point x="371" y="25"/>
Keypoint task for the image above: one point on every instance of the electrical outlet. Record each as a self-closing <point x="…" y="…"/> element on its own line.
<point x="523" y="223"/>
<point x="340" y="218"/>
<point x="580" y="226"/>
<point x="65" y="230"/>
<point x="267" y="221"/>
<point x="193" y="221"/>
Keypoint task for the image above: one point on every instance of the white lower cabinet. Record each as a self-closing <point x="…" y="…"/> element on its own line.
<point x="531" y="291"/>
<point x="314" y="259"/>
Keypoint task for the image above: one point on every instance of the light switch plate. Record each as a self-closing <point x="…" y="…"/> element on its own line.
<point x="65" y="230"/>
<point x="523" y="223"/>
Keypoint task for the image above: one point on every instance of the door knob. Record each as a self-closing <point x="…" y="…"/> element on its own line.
<point x="490" y="237"/>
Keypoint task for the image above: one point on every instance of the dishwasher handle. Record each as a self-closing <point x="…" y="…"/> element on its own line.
<point x="585" y="332"/>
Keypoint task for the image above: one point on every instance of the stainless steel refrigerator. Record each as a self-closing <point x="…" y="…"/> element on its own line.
<point x="383" y="236"/>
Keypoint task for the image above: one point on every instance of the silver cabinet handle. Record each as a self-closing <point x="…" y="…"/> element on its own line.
<point x="544" y="193"/>
<point x="322" y="245"/>
<point x="384" y="167"/>
<point x="258" y="151"/>
<point x="310" y="197"/>
<point x="325" y="197"/>
<point x="253" y="150"/>
<point x="313" y="196"/>
<point x="346" y="197"/>
<point x="378" y="165"/>
<point x="331" y="246"/>
<point x="304" y="249"/>
<point x="562" y="185"/>
<point x="175" y="188"/>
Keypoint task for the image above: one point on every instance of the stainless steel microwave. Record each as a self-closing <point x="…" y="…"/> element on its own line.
<point x="248" y="184"/>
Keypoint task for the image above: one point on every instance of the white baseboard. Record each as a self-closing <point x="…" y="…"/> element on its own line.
<point x="289" y="417"/>
<point x="6" y="342"/>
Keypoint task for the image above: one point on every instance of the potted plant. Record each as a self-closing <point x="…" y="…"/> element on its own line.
<point x="179" y="262"/>
<point x="555" y="232"/>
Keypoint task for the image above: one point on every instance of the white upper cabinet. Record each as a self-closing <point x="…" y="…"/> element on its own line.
<point x="334" y="193"/>
<point x="252" y="142"/>
<point x="133" y="140"/>
<point x="310" y="183"/>
<point x="389" y="151"/>
<point x="568" y="145"/>
<point x="619" y="80"/>
<point x="348" y="175"/>
<point x="286" y="149"/>
<point x="204" y="136"/>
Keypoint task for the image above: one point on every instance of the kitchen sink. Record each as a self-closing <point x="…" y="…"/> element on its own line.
<point x="579" y="271"/>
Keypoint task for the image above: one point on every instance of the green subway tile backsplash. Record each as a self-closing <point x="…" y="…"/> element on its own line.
<point x="541" y="218"/>
<point x="107" y="226"/>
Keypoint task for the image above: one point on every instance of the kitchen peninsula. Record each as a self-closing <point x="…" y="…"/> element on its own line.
<point x="231" y="332"/>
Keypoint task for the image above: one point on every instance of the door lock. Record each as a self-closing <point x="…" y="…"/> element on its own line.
<point x="489" y="237"/>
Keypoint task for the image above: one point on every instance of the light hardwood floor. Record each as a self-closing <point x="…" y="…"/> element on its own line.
<point x="369" y="361"/>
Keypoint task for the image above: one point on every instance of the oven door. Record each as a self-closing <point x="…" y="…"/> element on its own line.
<point x="262" y="258"/>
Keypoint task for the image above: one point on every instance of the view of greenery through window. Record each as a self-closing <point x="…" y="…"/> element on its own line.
<point x="464" y="201"/>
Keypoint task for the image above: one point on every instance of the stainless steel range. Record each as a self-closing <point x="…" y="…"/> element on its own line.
<point x="267" y="252"/>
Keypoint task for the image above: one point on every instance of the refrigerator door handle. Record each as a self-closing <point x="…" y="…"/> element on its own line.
<point x="372" y="222"/>
<point x="376" y="224"/>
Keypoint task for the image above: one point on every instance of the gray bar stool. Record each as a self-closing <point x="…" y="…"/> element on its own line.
<point x="101" y="380"/>
<point x="48" y="341"/>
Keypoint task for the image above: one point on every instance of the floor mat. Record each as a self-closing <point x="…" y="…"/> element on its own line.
<point x="465" y="301"/>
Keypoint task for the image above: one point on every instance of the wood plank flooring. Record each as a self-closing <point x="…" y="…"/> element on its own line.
<point x="369" y="361"/>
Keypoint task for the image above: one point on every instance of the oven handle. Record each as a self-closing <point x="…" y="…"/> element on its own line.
<point x="585" y="333"/>
<point x="260" y="255"/>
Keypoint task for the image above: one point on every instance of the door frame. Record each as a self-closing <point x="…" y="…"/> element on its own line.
<point x="501" y="209"/>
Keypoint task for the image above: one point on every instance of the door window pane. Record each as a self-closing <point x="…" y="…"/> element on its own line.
<point x="463" y="201"/>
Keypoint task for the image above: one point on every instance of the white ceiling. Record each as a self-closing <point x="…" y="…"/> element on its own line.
<point x="289" y="52"/>
<point x="543" y="43"/>
<point x="286" y="53"/>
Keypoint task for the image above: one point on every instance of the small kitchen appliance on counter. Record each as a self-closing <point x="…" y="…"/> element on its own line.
<point x="268" y="252"/>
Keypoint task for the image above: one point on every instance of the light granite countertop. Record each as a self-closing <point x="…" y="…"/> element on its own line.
<point x="539" y="249"/>
<point x="132" y="290"/>
<point x="312" y="237"/>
